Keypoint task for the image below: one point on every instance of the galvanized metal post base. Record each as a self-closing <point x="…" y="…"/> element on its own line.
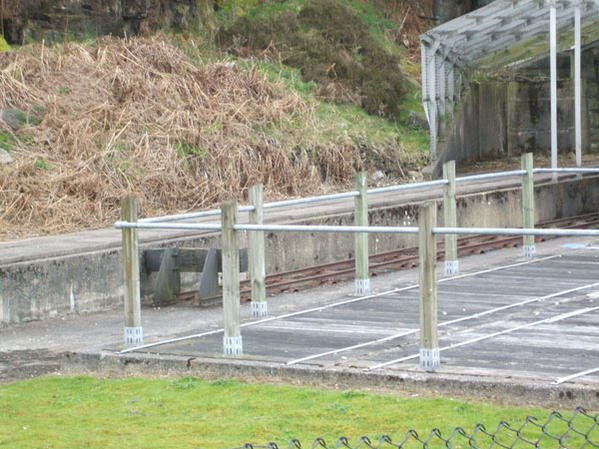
<point x="452" y="267"/>
<point x="259" y="309"/>
<point x="233" y="345"/>
<point x="134" y="335"/>
<point x="362" y="287"/>
<point x="429" y="359"/>
<point x="530" y="251"/>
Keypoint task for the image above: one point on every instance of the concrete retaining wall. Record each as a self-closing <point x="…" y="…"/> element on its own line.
<point x="93" y="281"/>
<point x="498" y="118"/>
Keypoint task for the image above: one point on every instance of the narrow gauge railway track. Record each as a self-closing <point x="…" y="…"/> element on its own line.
<point x="404" y="258"/>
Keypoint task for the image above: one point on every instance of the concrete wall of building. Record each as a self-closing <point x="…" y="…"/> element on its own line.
<point x="89" y="282"/>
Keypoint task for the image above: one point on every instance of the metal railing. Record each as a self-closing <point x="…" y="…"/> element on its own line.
<point x="330" y="197"/>
<point x="427" y="229"/>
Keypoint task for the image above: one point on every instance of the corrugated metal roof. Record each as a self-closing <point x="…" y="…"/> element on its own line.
<point x="503" y="33"/>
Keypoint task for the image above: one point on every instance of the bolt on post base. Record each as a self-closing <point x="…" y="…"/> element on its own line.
<point x="232" y="345"/>
<point x="530" y="251"/>
<point x="452" y="267"/>
<point x="134" y="335"/>
<point x="429" y="359"/>
<point x="362" y="287"/>
<point x="259" y="309"/>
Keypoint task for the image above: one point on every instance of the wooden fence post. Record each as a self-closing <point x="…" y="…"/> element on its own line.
<point x="256" y="254"/>
<point x="452" y="265"/>
<point x="232" y="341"/>
<point x="361" y="239"/>
<point x="133" y="329"/>
<point x="427" y="250"/>
<point x="528" y="205"/>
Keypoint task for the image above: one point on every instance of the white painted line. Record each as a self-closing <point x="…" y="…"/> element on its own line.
<point x="445" y="323"/>
<point x="486" y="337"/>
<point x="328" y="306"/>
<point x="561" y="380"/>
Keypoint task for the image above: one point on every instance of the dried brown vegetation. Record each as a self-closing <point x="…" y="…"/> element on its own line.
<point x="136" y="117"/>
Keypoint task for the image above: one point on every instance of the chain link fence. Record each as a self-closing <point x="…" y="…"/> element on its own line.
<point x="580" y="430"/>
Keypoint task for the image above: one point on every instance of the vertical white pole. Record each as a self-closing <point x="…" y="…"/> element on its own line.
<point x="577" y="89"/>
<point x="424" y="80"/>
<point x="432" y="94"/>
<point x="451" y="88"/>
<point x="553" y="60"/>
<point x="441" y="82"/>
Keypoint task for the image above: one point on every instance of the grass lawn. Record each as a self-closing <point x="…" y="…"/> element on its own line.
<point x="85" y="412"/>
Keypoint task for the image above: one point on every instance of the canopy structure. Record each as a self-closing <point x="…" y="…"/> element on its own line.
<point x="502" y="34"/>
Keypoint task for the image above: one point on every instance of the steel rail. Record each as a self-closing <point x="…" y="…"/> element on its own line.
<point x="404" y="257"/>
<point x="553" y="319"/>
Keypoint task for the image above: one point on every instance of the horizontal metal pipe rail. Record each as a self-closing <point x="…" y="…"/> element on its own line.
<point x="191" y="215"/>
<point x="312" y="199"/>
<point x="359" y="229"/>
<point x="482" y="176"/>
<point x="519" y="231"/>
<point x="323" y="228"/>
<point x="566" y="170"/>
<point x="417" y="185"/>
<point x="160" y="225"/>
<point x="352" y="194"/>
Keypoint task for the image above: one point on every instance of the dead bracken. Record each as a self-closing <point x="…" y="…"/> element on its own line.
<point x="134" y="116"/>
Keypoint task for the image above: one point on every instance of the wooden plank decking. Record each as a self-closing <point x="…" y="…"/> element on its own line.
<point x="562" y="289"/>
